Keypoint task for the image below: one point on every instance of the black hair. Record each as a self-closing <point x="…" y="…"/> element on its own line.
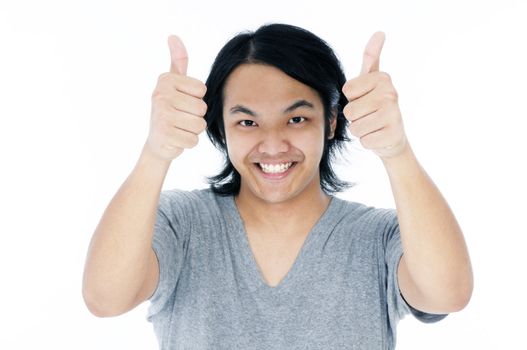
<point x="301" y="55"/>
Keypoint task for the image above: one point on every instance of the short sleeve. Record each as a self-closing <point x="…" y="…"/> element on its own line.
<point x="168" y="244"/>
<point x="397" y="306"/>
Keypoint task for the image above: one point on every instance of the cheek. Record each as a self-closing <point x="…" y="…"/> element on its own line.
<point x="312" y="143"/>
<point x="230" y="140"/>
<point x="313" y="152"/>
<point x="232" y="150"/>
<point x="237" y="146"/>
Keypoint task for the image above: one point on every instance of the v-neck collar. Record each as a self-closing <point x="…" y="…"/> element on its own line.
<point x="255" y="278"/>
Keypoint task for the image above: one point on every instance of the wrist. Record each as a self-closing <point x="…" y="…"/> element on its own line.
<point x="152" y="162"/>
<point x="403" y="160"/>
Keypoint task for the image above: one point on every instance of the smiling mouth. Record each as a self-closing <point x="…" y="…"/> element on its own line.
<point x="275" y="168"/>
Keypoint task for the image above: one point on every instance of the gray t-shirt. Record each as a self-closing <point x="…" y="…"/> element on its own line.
<point x="341" y="292"/>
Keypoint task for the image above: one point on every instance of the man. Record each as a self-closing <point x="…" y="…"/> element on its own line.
<point x="268" y="258"/>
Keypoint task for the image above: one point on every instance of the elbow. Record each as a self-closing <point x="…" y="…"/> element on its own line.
<point x="456" y="299"/>
<point x="446" y="300"/>
<point x="443" y="304"/>
<point x="97" y="311"/>
<point x="463" y="293"/>
<point x="461" y="299"/>
<point x="98" y="306"/>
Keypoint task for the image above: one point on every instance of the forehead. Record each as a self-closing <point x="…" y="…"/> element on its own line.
<point x="259" y="84"/>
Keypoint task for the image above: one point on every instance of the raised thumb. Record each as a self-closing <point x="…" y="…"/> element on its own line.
<point x="178" y="55"/>
<point x="372" y="53"/>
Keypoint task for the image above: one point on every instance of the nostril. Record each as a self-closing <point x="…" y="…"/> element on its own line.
<point x="273" y="145"/>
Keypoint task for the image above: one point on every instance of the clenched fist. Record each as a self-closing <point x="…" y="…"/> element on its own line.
<point x="177" y="107"/>
<point x="373" y="108"/>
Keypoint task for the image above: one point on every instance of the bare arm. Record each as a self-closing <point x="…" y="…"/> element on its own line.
<point x="435" y="273"/>
<point x="121" y="268"/>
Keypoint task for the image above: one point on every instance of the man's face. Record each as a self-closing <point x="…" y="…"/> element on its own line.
<point x="274" y="130"/>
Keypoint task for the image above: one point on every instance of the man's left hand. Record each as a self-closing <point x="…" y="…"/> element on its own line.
<point x="373" y="108"/>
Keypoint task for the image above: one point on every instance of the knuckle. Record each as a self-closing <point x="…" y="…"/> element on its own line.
<point x="202" y="89"/>
<point x="202" y="108"/>
<point x="163" y="76"/>
<point x="345" y="89"/>
<point x="202" y="124"/>
<point x="193" y="141"/>
<point x="365" y="142"/>
<point x="349" y="89"/>
<point x="157" y="95"/>
<point x="347" y="110"/>
<point x="391" y="95"/>
<point x="385" y="77"/>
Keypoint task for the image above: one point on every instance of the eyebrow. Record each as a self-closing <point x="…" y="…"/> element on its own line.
<point x="300" y="103"/>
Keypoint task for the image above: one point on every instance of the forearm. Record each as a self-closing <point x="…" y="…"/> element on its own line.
<point x="118" y="256"/>
<point x="435" y="252"/>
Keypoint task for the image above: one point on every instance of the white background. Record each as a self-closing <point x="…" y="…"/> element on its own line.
<point x="75" y="85"/>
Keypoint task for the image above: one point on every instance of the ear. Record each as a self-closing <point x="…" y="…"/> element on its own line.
<point x="332" y="124"/>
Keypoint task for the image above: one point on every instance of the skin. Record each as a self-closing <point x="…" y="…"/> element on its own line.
<point x="269" y="134"/>
<point x="121" y="269"/>
<point x="262" y="126"/>
<point x="435" y="273"/>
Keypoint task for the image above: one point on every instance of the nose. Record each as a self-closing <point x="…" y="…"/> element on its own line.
<point x="273" y="142"/>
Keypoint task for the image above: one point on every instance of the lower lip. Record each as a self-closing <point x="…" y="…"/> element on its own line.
<point x="275" y="176"/>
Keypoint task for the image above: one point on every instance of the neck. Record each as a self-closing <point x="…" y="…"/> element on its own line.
<point x="286" y="219"/>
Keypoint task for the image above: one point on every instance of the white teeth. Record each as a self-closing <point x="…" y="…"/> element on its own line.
<point x="275" y="168"/>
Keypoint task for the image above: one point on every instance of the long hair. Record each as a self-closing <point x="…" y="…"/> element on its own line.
<point x="301" y="55"/>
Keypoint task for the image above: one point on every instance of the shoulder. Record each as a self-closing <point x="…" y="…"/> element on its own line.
<point x="363" y="213"/>
<point x="365" y="221"/>
<point x="174" y="198"/>
<point x="177" y="194"/>
<point x="175" y="203"/>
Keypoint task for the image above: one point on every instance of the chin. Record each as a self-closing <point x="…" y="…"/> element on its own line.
<point x="274" y="195"/>
<point x="278" y="187"/>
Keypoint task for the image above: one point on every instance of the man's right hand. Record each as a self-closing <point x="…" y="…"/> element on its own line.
<point x="177" y="107"/>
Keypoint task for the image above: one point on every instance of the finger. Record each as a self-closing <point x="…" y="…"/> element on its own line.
<point x="368" y="124"/>
<point x="372" y="53"/>
<point x="358" y="87"/>
<point x="188" y="85"/>
<point x="182" y="138"/>
<point x="186" y="103"/>
<point x="363" y="106"/>
<point x="362" y="85"/>
<point x="354" y="114"/>
<point x="188" y="122"/>
<point x="378" y="139"/>
<point x="178" y="55"/>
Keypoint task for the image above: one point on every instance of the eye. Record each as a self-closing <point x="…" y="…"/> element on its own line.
<point x="296" y="120"/>
<point x="248" y="123"/>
